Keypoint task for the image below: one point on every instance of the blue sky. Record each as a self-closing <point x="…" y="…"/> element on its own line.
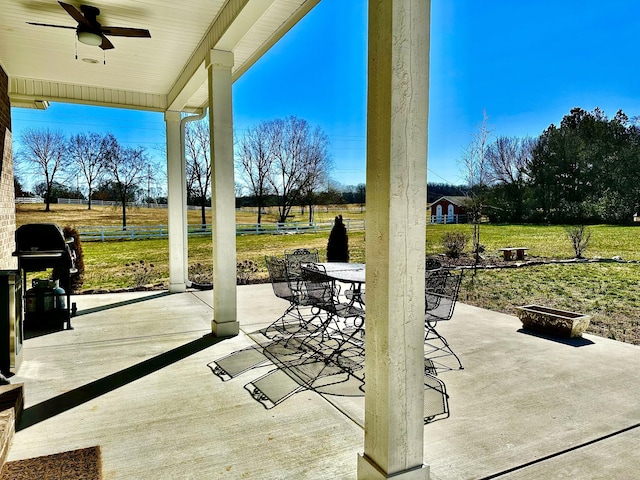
<point x="526" y="63"/>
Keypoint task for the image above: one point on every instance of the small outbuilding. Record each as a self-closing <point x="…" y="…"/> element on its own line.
<point x="448" y="209"/>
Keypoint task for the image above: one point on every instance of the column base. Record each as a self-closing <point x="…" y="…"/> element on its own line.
<point x="368" y="470"/>
<point x="226" y="329"/>
<point x="177" y="287"/>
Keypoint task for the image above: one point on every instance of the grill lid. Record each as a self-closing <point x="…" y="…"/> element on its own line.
<point x="42" y="245"/>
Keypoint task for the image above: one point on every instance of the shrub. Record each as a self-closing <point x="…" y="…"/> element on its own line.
<point x="142" y="272"/>
<point x="201" y="274"/>
<point x="338" y="244"/>
<point x="579" y="235"/>
<point x="244" y="271"/>
<point x="454" y="243"/>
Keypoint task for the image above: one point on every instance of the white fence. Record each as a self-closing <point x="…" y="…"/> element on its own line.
<point x="139" y="232"/>
<point x="444" y="219"/>
<point x="112" y="203"/>
<point x="29" y="200"/>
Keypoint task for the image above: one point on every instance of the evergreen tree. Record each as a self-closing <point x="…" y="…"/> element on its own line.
<point x="338" y="245"/>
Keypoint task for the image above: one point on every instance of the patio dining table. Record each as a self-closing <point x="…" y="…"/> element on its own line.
<point x="345" y="272"/>
<point x="353" y="273"/>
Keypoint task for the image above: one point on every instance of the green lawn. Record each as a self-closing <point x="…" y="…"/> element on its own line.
<point x="606" y="291"/>
<point x="546" y="241"/>
<point x="106" y="263"/>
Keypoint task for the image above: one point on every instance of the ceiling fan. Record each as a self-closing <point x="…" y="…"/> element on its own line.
<point x="90" y="32"/>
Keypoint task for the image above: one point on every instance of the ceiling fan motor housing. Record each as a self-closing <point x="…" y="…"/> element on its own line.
<point x="90" y="13"/>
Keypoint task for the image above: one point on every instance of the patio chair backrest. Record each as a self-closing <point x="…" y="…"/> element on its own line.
<point x="441" y="292"/>
<point x="294" y="259"/>
<point x="320" y="289"/>
<point x="279" y="278"/>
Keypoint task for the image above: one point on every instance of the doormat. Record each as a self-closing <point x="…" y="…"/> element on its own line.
<point x="82" y="464"/>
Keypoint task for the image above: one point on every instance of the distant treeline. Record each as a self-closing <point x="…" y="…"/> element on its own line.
<point x="437" y="190"/>
<point x="106" y="191"/>
<point x="354" y="195"/>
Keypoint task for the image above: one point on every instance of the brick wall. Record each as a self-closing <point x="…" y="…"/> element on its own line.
<point x="7" y="192"/>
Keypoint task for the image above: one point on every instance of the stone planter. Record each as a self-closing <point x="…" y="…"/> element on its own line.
<point x="553" y="321"/>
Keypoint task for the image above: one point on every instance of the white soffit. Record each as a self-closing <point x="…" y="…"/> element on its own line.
<point x="164" y="71"/>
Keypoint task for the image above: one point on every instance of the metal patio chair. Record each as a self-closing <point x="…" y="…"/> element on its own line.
<point x="441" y="293"/>
<point x="436" y="399"/>
<point x="295" y="259"/>
<point x="431" y="264"/>
<point x="355" y="296"/>
<point x="342" y="326"/>
<point x="292" y="321"/>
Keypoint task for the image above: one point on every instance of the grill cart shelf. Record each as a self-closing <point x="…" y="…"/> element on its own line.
<point x="40" y="246"/>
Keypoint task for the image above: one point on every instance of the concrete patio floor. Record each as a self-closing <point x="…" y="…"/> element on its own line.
<point x="132" y="377"/>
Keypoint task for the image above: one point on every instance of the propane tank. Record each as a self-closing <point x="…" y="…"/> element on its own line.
<point x="60" y="296"/>
<point x="40" y="297"/>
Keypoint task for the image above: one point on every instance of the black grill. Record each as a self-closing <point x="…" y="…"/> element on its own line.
<point x="40" y="246"/>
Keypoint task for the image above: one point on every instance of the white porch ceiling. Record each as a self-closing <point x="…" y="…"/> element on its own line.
<point x="164" y="72"/>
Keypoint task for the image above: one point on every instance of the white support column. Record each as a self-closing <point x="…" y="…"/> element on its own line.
<point x="177" y="204"/>
<point x="223" y="201"/>
<point x="397" y="115"/>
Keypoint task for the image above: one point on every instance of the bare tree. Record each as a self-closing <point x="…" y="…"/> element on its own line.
<point x="88" y="155"/>
<point x="157" y="175"/>
<point x="198" y="165"/>
<point x="361" y="189"/>
<point x="317" y="176"/>
<point x="43" y="153"/>
<point x="254" y="160"/>
<point x="127" y="167"/>
<point x="155" y="178"/>
<point x="476" y="170"/>
<point x="508" y="158"/>
<point x="301" y="159"/>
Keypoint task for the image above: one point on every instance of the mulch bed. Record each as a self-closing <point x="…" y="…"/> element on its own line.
<point x="467" y="261"/>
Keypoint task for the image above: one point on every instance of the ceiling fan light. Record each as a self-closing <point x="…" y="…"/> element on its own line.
<point x="89" y="38"/>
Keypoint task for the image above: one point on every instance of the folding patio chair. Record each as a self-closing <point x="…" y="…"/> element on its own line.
<point x="441" y="294"/>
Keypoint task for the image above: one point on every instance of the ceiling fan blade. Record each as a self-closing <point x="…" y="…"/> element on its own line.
<point x="77" y="16"/>
<point x="126" y="32"/>
<point x="106" y="44"/>
<point x="49" y="25"/>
